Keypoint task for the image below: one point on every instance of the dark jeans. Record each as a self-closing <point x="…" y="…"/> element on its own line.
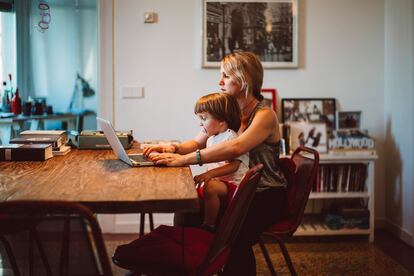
<point x="266" y="208"/>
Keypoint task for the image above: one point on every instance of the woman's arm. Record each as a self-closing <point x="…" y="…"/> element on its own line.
<point x="263" y="126"/>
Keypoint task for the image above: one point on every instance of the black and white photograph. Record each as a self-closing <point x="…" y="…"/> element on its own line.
<point x="349" y="119"/>
<point x="313" y="135"/>
<point x="310" y="110"/>
<point x="267" y="28"/>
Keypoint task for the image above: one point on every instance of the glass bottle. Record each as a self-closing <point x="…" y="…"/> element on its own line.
<point x="6" y="107"/>
<point x="16" y="104"/>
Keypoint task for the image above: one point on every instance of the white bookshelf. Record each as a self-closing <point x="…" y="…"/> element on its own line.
<point x="314" y="227"/>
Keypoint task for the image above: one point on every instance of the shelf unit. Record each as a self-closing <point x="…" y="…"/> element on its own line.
<point x="314" y="227"/>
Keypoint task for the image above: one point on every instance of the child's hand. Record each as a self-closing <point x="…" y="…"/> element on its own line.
<point x="204" y="177"/>
<point x="159" y="148"/>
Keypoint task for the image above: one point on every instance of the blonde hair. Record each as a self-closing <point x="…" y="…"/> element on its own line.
<point x="247" y="69"/>
<point x="222" y="107"/>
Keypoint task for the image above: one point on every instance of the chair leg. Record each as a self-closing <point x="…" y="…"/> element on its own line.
<point x="12" y="258"/>
<point x="141" y="224"/>
<point x="286" y="255"/>
<point x="267" y="257"/>
<point x="151" y="219"/>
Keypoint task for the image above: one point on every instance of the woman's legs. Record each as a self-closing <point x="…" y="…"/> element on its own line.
<point x="266" y="208"/>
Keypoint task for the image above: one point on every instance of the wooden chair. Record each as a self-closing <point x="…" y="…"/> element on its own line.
<point x="172" y="250"/>
<point x="67" y="239"/>
<point x="301" y="173"/>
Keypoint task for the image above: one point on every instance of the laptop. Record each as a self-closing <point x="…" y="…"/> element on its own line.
<point x="134" y="160"/>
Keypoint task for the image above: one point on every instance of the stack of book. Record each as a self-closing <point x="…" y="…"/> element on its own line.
<point x="25" y="152"/>
<point x="55" y="138"/>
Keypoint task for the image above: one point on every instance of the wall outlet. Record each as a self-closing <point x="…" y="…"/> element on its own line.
<point x="132" y="92"/>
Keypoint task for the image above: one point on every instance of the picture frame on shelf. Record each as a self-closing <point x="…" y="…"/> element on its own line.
<point x="269" y="95"/>
<point x="313" y="135"/>
<point x="311" y="110"/>
<point x="268" y="28"/>
<point x="348" y="119"/>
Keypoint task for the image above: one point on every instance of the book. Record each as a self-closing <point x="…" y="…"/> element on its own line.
<point x="55" y="141"/>
<point x="45" y="133"/>
<point x="25" y="152"/>
<point x="63" y="150"/>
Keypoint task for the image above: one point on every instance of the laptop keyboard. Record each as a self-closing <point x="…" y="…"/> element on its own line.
<point x="138" y="158"/>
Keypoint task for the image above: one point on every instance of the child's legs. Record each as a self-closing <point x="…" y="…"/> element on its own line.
<point x="215" y="192"/>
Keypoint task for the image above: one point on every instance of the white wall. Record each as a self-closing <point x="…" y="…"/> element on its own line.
<point x="341" y="56"/>
<point x="399" y="117"/>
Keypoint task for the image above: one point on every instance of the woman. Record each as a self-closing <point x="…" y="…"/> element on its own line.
<point x="242" y="77"/>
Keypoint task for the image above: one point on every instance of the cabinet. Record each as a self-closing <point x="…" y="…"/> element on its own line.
<point x="341" y="172"/>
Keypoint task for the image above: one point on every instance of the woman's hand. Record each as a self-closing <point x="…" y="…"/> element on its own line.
<point x="159" y="148"/>
<point x="168" y="159"/>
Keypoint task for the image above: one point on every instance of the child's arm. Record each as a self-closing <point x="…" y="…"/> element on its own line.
<point x="229" y="168"/>
<point x="199" y="142"/>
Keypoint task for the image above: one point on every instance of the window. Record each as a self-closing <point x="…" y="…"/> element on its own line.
<point x="7" y="46"/>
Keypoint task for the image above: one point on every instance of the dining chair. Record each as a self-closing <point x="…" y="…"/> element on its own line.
<point x="51" y="238"/>
<point x="301" y="174"/>
<point x="172" y="250"/>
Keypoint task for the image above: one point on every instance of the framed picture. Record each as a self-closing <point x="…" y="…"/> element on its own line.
<point x="349" y="119"/>
<point x="313" y="135"/>
<point x="268" y="28"/>
<point x="310" y="110"/>
<point x="269" y="95"/>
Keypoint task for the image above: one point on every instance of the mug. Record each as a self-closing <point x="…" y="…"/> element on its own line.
<point x="27" y="108"/>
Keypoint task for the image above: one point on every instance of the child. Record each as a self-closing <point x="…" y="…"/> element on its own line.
<point x="220" y="119"/>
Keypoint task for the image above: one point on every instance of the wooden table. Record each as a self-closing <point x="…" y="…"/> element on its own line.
<point x="99" y="180"/>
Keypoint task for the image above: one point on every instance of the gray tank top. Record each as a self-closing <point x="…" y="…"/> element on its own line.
<point x="267" y="154"/>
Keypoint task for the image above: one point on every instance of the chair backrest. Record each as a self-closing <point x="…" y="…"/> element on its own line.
<point x="300" y="184"/>
<point x="62" y="238"/>
<point x="234" y="216"/>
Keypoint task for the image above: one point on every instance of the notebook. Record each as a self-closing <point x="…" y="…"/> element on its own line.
<point x="134" y="160"/>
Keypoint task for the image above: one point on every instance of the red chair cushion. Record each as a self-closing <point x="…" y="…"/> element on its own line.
<point x="282" y="227"/>
<point x="162" y="248"/>
<point x="231" y="190"/>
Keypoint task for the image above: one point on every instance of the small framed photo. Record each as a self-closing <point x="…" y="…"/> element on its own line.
<point x="313" y="135"/>
<point x="349" y="119"/>
<point x="269" y="95"/>
<point x="268" y="28"/>
<point x="313" y="110"/>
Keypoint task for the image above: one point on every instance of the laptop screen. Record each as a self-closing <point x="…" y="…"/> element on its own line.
<point x="113" y="140"/>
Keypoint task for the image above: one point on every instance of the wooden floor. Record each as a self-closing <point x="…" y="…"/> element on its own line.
<point x="326" y="256"/>
<point x="396" y="249"/>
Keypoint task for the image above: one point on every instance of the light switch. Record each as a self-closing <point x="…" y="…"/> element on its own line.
<point x="132" y="92"/>
<point x="150" y="17"/>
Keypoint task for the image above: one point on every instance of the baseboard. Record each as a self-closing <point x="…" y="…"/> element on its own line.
<point x="399" y="232"/>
